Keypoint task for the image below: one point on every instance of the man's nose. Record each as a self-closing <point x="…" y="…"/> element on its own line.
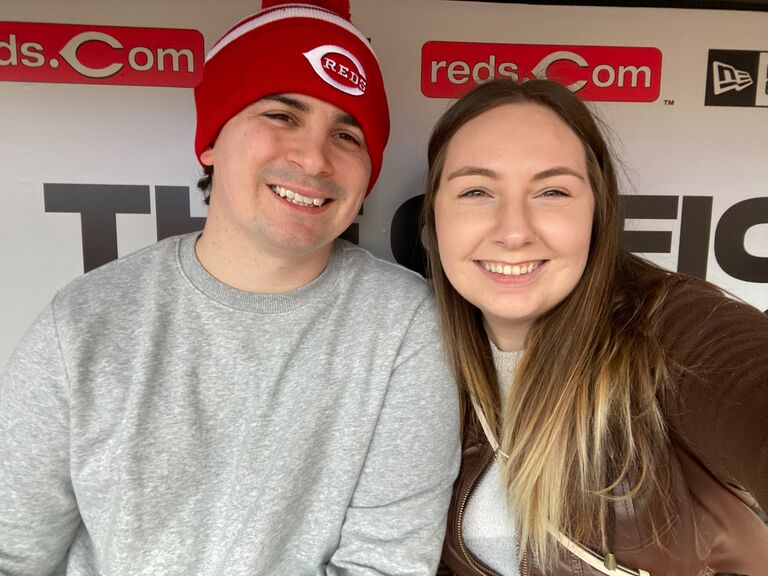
<point x="310" y="150"/>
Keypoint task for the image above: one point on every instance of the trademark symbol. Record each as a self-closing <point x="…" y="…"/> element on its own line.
<point x="669" y="102"/>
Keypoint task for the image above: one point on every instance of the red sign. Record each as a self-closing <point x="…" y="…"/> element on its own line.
<point x="77" y="54"/>
<point x="603" y="73"/>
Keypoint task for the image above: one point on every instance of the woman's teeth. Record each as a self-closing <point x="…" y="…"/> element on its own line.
<point x="509" y="269"/>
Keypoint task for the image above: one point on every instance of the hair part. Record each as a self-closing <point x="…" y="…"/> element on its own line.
<point x="582" y="426"/>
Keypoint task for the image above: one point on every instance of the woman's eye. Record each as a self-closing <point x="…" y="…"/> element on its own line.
<point x="554" y="192"/>
<point x="473" y="193"/>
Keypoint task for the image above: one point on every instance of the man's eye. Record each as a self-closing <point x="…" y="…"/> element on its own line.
<point x="280" y="116"/>
<point x="349" y="138"/>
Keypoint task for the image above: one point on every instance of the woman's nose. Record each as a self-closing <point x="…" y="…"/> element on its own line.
<point x="513" y="226"/>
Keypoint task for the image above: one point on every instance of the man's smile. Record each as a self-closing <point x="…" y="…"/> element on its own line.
<point x="295" y="197"/>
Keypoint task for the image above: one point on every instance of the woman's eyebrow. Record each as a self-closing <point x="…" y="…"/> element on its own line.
<point x="473" y="171"/>
<point x="558" y="171"/>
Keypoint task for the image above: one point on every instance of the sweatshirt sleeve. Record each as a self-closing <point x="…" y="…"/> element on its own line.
<point x="719" y="404"/>
<point x="396" y="520"/>
<point x="38" y="512"/>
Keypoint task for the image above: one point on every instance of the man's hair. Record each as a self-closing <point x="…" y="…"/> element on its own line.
<point x="597" y="348"/>
<point x="205" y="183"/>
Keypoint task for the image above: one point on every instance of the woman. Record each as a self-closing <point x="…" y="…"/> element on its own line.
<point x="614" y="413"/>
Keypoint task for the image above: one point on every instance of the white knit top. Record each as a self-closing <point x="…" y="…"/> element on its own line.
<point x="488" y="528"/>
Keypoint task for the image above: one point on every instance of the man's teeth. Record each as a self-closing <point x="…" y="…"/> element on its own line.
<point x="296" y="198"/>
<point x="509" y="269"/>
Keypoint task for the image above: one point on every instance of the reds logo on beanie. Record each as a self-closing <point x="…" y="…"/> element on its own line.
<point x="310" y="48"/>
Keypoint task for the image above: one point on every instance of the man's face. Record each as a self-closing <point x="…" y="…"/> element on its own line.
<point x="291" y="172"/>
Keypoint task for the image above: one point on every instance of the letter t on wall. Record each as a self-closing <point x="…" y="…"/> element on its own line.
<point x="97" y="204"/>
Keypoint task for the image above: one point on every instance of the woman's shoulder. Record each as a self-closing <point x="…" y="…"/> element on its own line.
<point x="679" y="303"/>
<point x="717" y="353"/>
<point x="693" y="306"/>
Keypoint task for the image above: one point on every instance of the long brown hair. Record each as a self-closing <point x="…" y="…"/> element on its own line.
<point x="582" y="425"/>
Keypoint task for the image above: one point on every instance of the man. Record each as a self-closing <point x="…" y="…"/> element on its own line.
<point x="258" y="399"/>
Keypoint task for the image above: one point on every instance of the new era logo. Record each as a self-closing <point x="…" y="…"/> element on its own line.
<point x="726" y="78"/>
<point x="737" y="78"/>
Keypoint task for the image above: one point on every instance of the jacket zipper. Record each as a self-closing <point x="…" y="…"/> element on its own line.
<point x="483" y="469"/>
<point x="524" y="564"/>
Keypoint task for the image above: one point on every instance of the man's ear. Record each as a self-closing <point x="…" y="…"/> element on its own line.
<point x="207" y="157"/>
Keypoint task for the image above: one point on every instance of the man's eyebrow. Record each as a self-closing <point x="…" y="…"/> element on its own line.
<point x="472" y="171"/>
<point x="341" y="117"/>
<point x="288" y="101"/>
<point x="348" y="119"/>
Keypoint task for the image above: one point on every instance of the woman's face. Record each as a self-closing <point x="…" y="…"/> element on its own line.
<point x="513" y="214"/>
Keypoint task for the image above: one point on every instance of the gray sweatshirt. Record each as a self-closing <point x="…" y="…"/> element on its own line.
<point x="156" y="421"/>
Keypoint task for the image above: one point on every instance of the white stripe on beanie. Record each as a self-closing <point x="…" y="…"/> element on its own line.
<point x="282" y="13"/>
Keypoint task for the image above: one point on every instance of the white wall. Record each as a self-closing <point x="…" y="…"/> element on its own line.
<point x="142" y="136"/>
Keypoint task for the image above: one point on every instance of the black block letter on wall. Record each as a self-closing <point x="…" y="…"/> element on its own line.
<point x="97" y="205"/>
<point x="729" y="240"/>
<point x="172" y="207"/>
<point x="650" y="208"/>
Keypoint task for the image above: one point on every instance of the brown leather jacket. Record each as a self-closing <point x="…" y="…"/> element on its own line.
<point x="722" y="392"/>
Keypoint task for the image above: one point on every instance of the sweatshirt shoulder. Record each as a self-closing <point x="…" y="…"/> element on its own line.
<point x="386" y="277"/>
<point x="121" y="279"/>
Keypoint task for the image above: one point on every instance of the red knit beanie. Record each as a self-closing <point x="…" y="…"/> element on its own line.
<point x="310" y="48"/>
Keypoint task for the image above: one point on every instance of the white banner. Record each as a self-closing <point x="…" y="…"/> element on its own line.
<point x="96" y="163"/>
